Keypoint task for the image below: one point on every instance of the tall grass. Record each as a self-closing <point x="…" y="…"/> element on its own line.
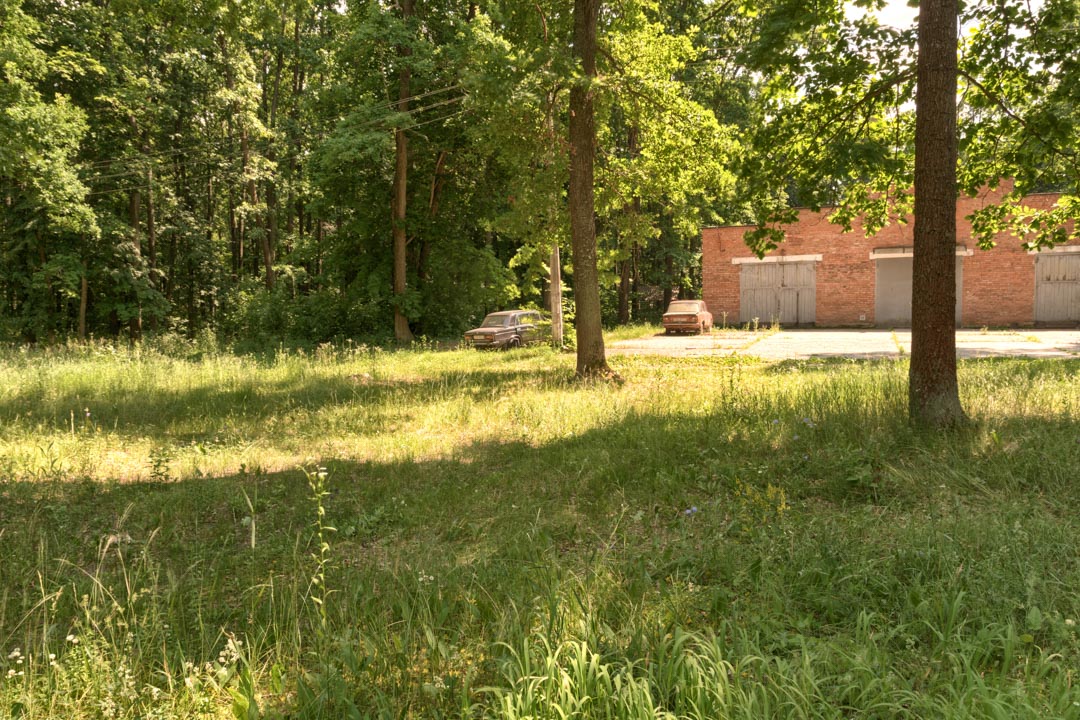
<point x="361" y="533"/>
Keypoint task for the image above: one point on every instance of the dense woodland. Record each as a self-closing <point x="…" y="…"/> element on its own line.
<point x="253" y="169"/>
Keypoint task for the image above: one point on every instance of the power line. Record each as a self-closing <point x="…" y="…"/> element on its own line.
<point x="222" y="141"/>
<point x="218" y="145"/>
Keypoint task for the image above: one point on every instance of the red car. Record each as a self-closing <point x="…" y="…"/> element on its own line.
<point x="687" y="316"/>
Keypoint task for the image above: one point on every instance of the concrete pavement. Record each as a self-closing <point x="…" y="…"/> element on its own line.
<point x="870" y="344"/>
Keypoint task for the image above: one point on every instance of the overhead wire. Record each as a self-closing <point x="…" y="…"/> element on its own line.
<point x="218" y="144"/>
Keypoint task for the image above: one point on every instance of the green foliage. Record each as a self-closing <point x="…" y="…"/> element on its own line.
<point x="841" y="127"/>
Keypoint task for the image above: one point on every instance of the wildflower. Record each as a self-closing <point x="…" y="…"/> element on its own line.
<point x="690" y="510"/>
<point x="72" y="639"/>
<point x="776" y="421"/>
<point x="1069" y="622"/>
<point x="11" y="673"/>
<point x="16" y="653"/>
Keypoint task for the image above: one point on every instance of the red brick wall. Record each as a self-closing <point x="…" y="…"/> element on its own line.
<point x="998" y="289"/>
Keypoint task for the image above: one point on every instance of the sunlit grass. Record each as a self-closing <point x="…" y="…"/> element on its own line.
<point x="711" y="537"/>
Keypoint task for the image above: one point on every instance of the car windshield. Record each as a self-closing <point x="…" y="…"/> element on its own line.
<point x="496" y="321"/>
<point x="686" y="306"/>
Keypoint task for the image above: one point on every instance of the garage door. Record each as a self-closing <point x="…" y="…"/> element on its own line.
<point x="892" y="291"/>
<point x="777" y="291"/>
<point x="1057" y="288"/>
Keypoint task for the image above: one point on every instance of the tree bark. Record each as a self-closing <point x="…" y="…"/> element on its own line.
<point x="633" y="209"/>
<point x="84" y="296"/>
<point x="402" y="333"/>
<point x="624" y="292"/>
<point x="591" y="360"/>
<point x="151" y="240"/>
<point x="134" y="211"/>
<point x="933" y="392"/>
<point x="555" y="295"/>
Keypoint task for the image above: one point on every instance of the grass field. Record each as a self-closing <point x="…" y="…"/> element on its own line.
<point x="359" y="533"/>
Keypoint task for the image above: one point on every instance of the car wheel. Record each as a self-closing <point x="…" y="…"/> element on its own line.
<point x="514" y="343"/>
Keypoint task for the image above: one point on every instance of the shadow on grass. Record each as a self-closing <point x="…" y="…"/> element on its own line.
<point x="255" y="400"/>
<point x="793" y="526"/>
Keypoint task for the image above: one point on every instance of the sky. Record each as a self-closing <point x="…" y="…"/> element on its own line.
<point x="895" y="13"/>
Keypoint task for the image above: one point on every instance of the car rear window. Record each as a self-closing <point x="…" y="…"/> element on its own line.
<point x="684" y="307"/>
<point x="496" y="321"/>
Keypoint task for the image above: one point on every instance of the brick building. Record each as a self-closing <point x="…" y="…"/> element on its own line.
<point x="822" y="276"/>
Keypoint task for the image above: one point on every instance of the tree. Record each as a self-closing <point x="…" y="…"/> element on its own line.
<point x="842" y="134"/>
<point x="402" y="333"/>
<point x="591" y="360"/>
<point x="933" y="391"/>
<point x="45" y="220"/>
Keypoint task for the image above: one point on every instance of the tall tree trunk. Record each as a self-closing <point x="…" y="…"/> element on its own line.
<point x="134" y="211"/>
<point x="624" y="292"/>
<point x="402" y="333"/>
<point x="591" y="360"/>
<point x="933" y="392"/>
<point x="555" y="290"/>
<point x="437" y="182"/>
<point x="270" y="235"/>
<point x="555" y="295"/>
<point x="84" y="297"/>
<point x="151" y="239"/>
<point x="669" y="275"/>
<point x="633" y="209"/>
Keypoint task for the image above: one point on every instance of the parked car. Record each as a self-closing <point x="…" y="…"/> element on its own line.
<point x="687" y="316"/>
<point x="508" y="329"/>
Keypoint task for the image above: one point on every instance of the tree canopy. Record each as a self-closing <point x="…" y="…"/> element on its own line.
<point x="303" y="171"/>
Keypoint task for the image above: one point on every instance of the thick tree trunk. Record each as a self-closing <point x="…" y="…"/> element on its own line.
<point x="591" y="360"/>
<point x="402" y="333"/>
<point x="933" y="392"/>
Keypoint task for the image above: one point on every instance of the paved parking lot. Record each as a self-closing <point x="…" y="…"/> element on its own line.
<point x="801" y="344"/>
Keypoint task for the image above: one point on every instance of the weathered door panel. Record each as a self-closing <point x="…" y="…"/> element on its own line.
<point x="1057" y="288"/>
<point x="783" y="292"/>
<point x="892" y="291"/>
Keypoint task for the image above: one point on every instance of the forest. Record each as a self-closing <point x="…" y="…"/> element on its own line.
<point x="302" y="171"/>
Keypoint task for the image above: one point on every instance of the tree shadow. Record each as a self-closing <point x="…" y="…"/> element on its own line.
<point x="129" y="414"/>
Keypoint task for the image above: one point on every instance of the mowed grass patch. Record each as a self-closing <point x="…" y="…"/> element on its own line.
<point x="488" y="537"/>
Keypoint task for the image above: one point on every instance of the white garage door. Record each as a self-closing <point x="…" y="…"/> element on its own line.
<point x="1057" y="288"/>
<point x="778" y="291"/>
<point x="892" y="291"/>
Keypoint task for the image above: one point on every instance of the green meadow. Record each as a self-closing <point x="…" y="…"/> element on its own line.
<point x="354" y="532"/>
